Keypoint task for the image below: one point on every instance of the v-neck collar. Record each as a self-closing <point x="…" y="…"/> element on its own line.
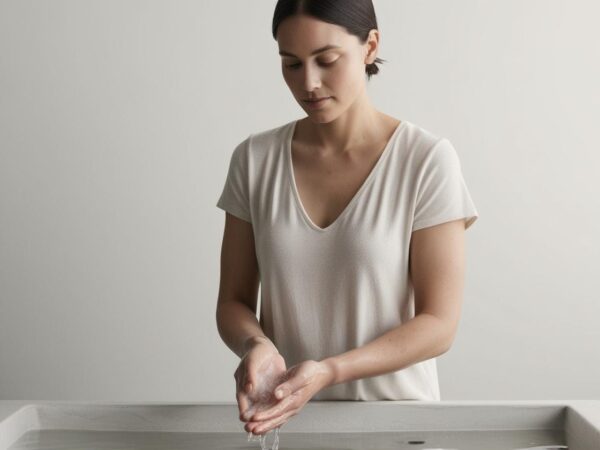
<point x="354" y="199"/>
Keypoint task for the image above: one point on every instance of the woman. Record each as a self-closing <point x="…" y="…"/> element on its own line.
<point x="351" y="221"/>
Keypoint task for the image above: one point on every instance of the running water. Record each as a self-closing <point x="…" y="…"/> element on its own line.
<point x="262" y="398"/>
<point x="263" y="440"/>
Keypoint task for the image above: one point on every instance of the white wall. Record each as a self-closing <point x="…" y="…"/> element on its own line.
<point x="117" y="121"/>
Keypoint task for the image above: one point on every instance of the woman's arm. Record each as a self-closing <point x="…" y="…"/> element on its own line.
<point x="238" y="327"/>
<point x="423" y="337"/>
<point x="238" y="287"/>
<point x="437" y="272"/>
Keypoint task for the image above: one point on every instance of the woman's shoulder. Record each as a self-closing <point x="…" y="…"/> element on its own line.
<point x="422" y="140"/>
<point x="276" y="134"/>
<point x="258" y="145"/>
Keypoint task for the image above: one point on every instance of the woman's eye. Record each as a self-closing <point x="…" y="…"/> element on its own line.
<point x="323" y="63"/>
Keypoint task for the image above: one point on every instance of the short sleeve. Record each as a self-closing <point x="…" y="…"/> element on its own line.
<point x="442" y="194"/>
<point x="235" y="197"/>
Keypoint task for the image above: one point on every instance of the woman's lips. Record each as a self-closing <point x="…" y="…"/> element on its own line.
<point x="314" y="104"/>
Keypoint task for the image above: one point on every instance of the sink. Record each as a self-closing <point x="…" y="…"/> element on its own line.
<point x="335" y="425"/>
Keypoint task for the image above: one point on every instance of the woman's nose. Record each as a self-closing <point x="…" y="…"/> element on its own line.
<point x="312" y="79"/>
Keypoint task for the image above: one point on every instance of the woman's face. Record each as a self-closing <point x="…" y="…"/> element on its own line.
<point x="336" y="71"/>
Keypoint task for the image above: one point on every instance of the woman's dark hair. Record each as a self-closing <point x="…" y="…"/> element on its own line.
<point x="357" y="16"/>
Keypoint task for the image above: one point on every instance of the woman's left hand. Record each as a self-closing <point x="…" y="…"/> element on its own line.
<point x="303" y="381"/>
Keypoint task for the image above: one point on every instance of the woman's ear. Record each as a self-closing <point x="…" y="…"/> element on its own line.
<point x="372" y="45"/>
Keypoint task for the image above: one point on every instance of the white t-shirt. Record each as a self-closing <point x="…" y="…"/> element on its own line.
<point x="325" y="291"/>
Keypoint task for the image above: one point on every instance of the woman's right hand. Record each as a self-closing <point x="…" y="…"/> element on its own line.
<point x="259" y="371"/>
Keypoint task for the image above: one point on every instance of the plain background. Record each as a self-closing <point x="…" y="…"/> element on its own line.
<point x="117" y="122"/>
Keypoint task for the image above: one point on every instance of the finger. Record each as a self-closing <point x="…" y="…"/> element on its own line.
<point x="289" y="387"/>
<point x="296" y="381"/>
<point x="247" y="382"/>
<point x="243" y="404"/>
<point x="276" y="410"/>
<point x="242" y="401"/>
<point x="291" y="408"/>
<point x="249" y="426"/>
<point x="243" y="387"/>
<point x="243" y="378"/>
<point x="271" y="424"/>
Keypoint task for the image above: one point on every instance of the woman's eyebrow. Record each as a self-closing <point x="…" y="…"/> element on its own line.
<point x="314" y="52"/>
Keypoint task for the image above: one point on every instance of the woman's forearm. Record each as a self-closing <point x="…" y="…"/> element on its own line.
<point x="238" y="326"/>
<point x="423" y="337"/>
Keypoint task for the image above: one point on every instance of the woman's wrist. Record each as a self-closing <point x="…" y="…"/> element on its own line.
<point x="253" y="341"/>
<point x="330" y="370"/>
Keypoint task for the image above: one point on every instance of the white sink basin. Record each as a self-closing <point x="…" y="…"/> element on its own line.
<point x="343" y="425"/>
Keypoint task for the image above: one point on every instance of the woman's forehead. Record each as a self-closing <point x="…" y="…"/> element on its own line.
<point x="309" y="33"/>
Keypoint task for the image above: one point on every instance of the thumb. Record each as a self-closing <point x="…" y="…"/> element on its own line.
<point x="249" y="382"/>
<point x="285" y="389"/>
